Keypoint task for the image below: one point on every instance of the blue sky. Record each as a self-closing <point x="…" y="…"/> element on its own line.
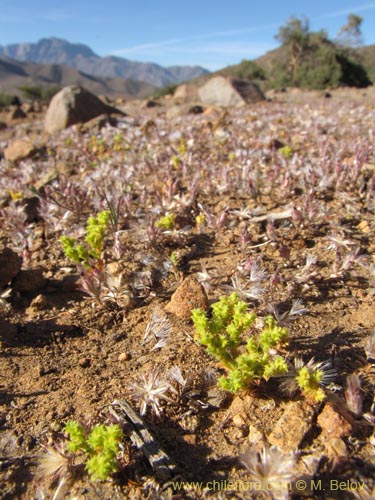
<point x="211" y="33"/>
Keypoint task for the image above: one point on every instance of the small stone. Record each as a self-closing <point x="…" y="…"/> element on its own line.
<point x="242" y="405"/>
<point x="10" y="265"/>
<point x="19" y="150"/>
<point x="84" y="362"/>
<point x="188" y="296"/>
<point x="255" y="435"/>
<point x="240" y="423"/>
<point x="190" y="439"/>
<point x="40" y="303"/>
<point x="189" y="423"/>
<point x="31" y="208"/>
<point x="217" y="398"/>
<point x="292" y="426"/>
<point x="195" y="110"/>
<point x="124" y="356"/>
<point x="335" y="420"/>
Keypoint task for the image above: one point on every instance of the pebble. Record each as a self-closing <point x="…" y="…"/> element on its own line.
<point x="124" y="356"/>
<point x="84" y="362"/>
<point x="188" y="296"/>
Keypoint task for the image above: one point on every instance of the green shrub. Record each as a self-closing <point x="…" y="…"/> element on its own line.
<point x="95" y="233"/>
<point x="249" y="70"/>
<point x="222" y="334"/>
<point x="100" y="446"/>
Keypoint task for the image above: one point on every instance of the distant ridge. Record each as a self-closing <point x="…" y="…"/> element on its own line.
<point x="82" y="58"/>
<point x="14" y="74"/>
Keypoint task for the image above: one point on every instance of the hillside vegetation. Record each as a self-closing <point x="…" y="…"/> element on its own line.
<point x="310" y="60"/>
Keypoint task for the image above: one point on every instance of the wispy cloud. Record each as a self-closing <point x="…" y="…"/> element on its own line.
<point x="173" y="42"/>
<point x="349" y="10"/>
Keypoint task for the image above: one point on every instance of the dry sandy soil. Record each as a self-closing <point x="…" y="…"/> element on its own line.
<point x="66" y="356"/>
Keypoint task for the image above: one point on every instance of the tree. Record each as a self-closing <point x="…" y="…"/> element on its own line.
<point x="350" y="34"/>
<point x="295" y="35"/>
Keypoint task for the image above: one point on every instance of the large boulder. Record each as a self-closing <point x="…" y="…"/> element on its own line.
<point x="224" y="91"/>
<point x="74" y="104"/>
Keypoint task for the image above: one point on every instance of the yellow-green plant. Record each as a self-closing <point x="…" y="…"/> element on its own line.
<point x="166" y="222"/>
<point x="309" y="380"/>
<point x="100" y="446"/>
<point x="286" y="151"/>
<point x="94" y="240"/>
<point x="223" y="336"/>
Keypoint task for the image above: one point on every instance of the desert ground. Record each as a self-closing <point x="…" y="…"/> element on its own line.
<point x="272" y="201"/>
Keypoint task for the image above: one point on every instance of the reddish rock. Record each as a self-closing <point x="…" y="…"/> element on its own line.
<point x="10" y="266"/>
<point x="293" y="425"/>
<point x="335" y="420"/>
<point x="188" y="296"/>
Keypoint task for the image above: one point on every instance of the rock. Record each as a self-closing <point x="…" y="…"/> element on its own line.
<point x="189" y="423"/>
<point x="335" y="420"/>
<point x="190" y="439"/>
<point x="189" y="295"/>
<point x="16" y="113"/>
<point x="29" y="280"/>
<point x="223" y="91"/>
<point x="10" y="266"/>
<point x="195" y="110"/>
<point x="39" y="303"/>
<point x="256" y="436"/>
<point x="3" y="125"/>
<point x="100" y="122"/>
<point x="217" y="398"/>
<point x="176" y="111"/>
<point x="31" y="207"/>
<point x="152" y="104"/>
<point x="182" y="92"/>
<point x="292" y="427"/>
<point x="183" y="109"/>
<point x="74" y="104"/>
<point x="19" y="150"/>
<point x="124" y="356"/>
<point x="240" y="423"/>
<point x="84" y="362"/>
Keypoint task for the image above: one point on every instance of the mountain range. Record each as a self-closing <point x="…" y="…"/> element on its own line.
<point x="56" y="51"/>
<point x="15" y="74"/>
